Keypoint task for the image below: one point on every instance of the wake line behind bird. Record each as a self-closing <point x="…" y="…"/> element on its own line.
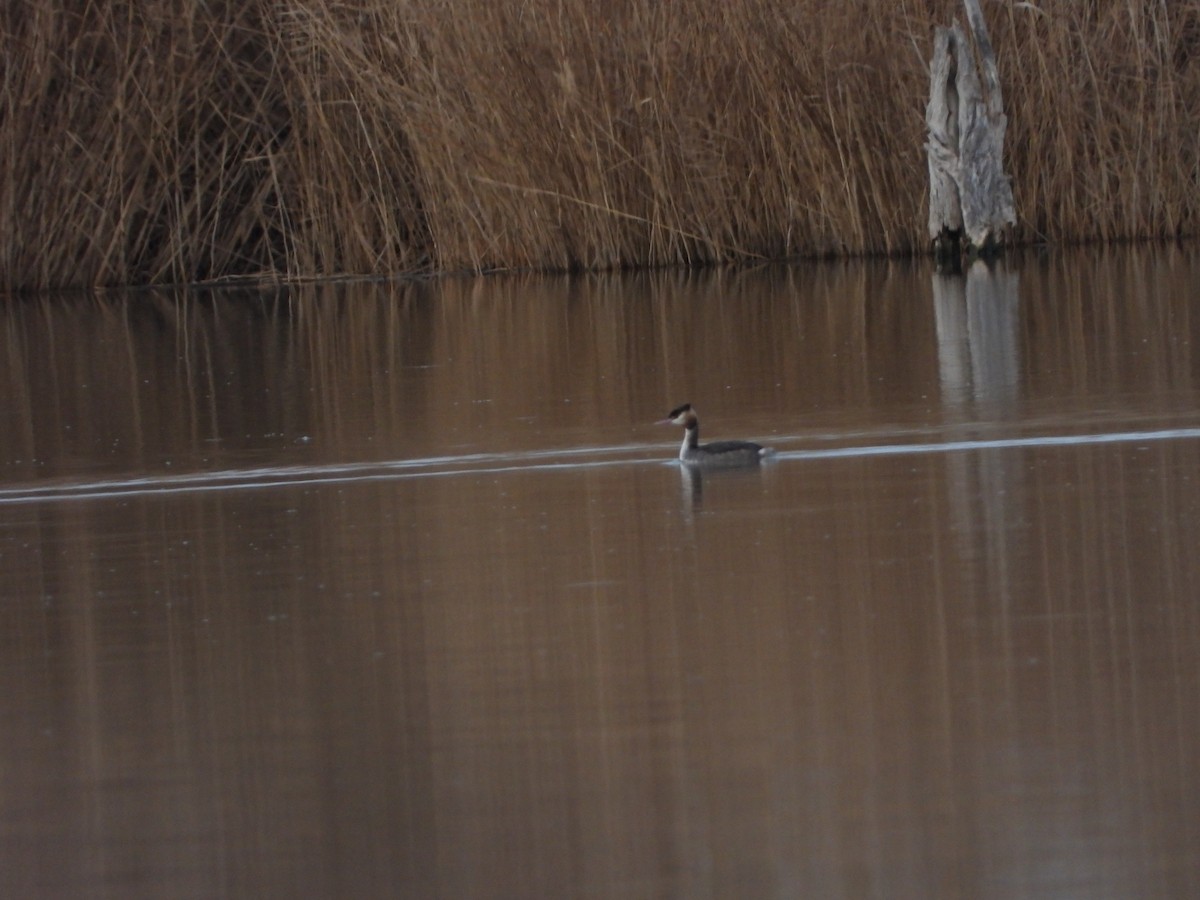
<point x="560" y="460"/>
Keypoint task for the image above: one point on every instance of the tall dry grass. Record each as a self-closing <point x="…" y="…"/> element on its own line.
<point x="183" y="140"/>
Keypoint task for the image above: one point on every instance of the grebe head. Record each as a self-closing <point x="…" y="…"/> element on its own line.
<point x="680" y="415"/>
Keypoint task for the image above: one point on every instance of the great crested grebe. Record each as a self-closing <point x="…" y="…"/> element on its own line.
<point x="717" y="455"/>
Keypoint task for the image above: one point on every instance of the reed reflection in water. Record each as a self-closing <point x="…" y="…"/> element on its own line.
<point x="956" y="673"/>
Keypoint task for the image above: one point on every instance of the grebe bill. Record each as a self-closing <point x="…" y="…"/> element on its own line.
<point x="719" y="454"/>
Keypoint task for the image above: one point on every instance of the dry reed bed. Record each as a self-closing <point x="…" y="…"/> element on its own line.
<point x="181" y="140"/>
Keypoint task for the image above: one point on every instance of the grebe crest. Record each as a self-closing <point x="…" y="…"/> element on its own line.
<point x="717" y="455"/>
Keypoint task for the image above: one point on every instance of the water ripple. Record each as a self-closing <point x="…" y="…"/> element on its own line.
<point x="571" y="459"/>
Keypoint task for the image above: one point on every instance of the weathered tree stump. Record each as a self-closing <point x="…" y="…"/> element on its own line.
<point x="970" y="197"/>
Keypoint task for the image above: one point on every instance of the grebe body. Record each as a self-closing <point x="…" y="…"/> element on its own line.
<point x="718" y="454"/>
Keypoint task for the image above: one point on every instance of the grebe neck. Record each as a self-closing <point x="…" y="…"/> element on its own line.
<point x="690" y="438"/>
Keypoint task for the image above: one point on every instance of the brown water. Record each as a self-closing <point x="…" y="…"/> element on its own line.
<point x="393" y="590"/>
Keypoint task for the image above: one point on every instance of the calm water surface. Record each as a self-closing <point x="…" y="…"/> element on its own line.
<point x="395" y="590"/>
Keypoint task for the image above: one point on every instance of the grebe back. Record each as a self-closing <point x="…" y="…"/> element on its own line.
<point x="717" y="455"/>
